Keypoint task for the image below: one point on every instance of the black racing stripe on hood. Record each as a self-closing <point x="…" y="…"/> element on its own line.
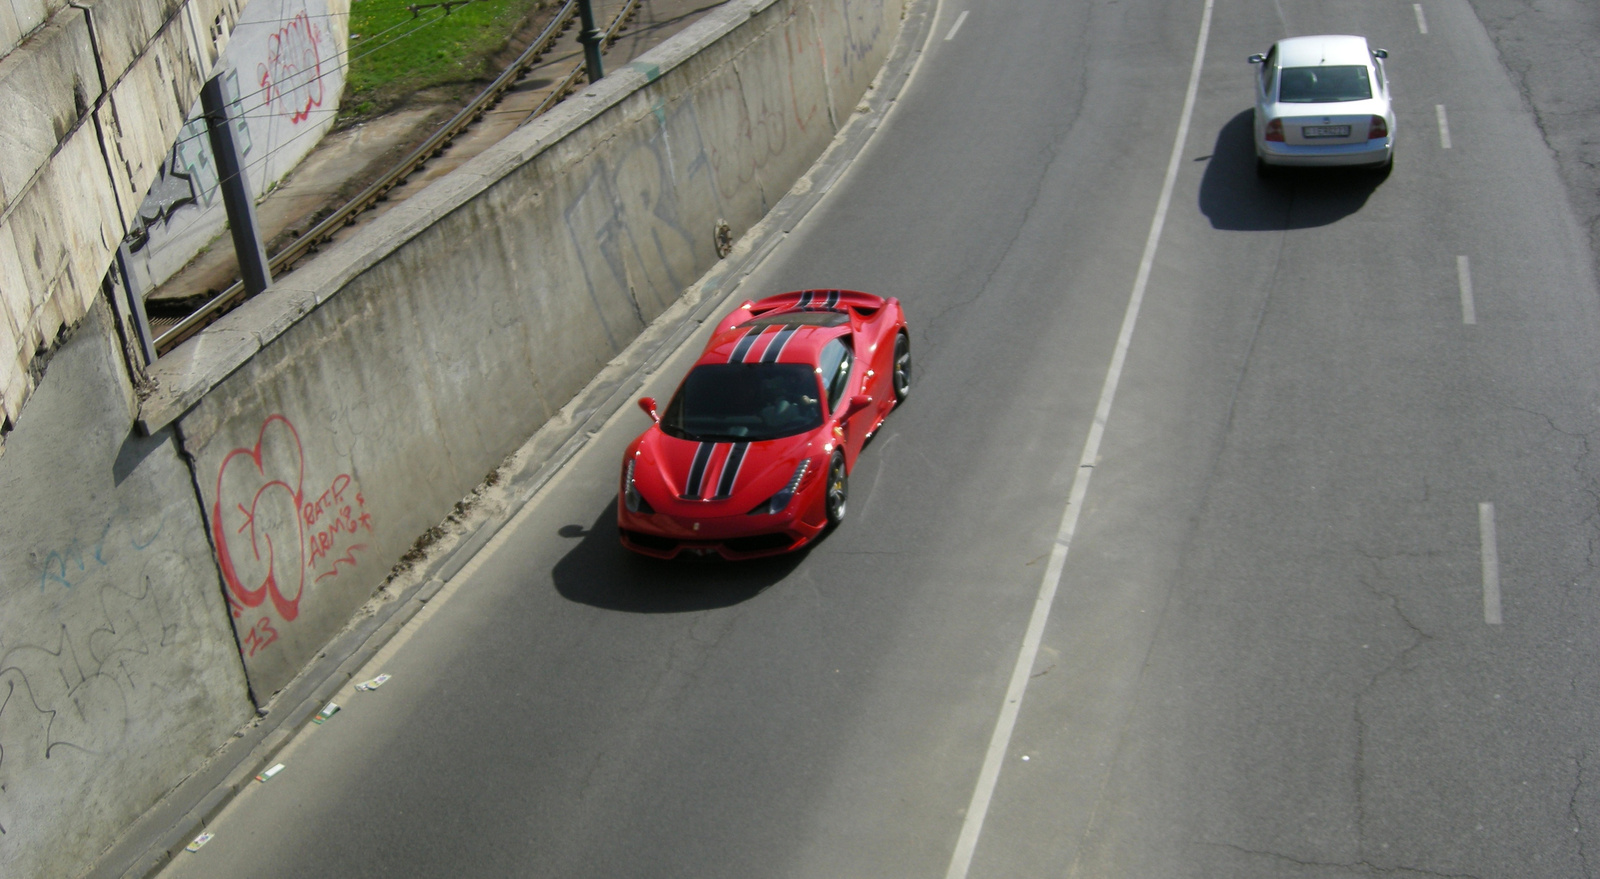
<point x="730" y="471"/>
<point x="697" y="471"/>
<point x="775" y="347"/>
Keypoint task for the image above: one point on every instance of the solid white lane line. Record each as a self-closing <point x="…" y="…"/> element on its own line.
<point x="955" y="27"/>
<point x="1422" y="20"/>
<point x="1011" y="705"/>
<point x="1491" y="564"/>
<point x="1444" y="126"/>
<point x="1469" y="312"/>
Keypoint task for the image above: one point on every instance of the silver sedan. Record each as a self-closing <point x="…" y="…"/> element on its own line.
<point x="1322" y="101"/>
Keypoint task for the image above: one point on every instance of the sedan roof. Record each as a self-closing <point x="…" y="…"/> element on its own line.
<point x="1322" y="51"/>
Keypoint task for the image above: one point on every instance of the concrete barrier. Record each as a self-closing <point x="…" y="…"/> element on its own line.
<point x="336" y="417"/>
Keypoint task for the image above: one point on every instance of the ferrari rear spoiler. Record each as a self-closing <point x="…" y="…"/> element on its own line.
<point x="863" y="305"/>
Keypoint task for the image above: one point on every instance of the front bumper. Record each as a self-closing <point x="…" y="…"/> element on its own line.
<point x="667" y="535"/>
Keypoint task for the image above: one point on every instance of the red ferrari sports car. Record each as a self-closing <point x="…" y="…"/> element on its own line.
<point x="753" y="454"/>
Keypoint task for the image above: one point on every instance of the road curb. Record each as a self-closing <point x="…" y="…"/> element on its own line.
<point x="168" y="827"/>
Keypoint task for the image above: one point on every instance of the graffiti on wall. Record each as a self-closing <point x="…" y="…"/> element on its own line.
<point x="188" y="176"/>
<point x="864" y="31"/>
<point x="766" y="121"/>
<point x="292" y="56"/>
<point x="75" y="689"/>
<point x="622" y="234"/>
<point x="291" y="76"/>
<point x="762" y="135"/>
<point x="276" y="535"/>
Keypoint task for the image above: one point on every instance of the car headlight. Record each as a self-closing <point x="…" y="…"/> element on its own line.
<point x="631" y="498"/>
<point x="779" y="501"/>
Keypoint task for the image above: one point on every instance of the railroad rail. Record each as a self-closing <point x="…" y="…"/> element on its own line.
<point x="322" y="232"/>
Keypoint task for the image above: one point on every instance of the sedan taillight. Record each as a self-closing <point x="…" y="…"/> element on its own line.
<point x="1275" y="130"/>
<point x="1379" y="128"/>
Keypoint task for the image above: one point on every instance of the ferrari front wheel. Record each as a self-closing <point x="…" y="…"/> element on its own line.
<point x="902" y="367"/>
<point x="838" y="489"/>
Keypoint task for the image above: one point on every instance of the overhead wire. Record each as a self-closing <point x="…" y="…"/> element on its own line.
<point x="257" y="162"/>
<point x="251" y="165"/>
<point x="415" y="8"/>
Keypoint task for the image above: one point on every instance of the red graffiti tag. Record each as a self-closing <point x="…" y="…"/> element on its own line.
<point x="269" y="532"/>
<point x="291" y="77"/>
<point x="328" y="517"/>
<point x="256" y="522"/>
<point x="260" y="636"/>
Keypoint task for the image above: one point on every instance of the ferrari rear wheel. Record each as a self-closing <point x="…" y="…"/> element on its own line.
<point x="902" y="367"/>
<point x="838" y="489"/>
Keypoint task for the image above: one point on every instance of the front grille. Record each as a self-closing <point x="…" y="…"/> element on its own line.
<point x="758" y="542"/>
<point x="650" y="541"/>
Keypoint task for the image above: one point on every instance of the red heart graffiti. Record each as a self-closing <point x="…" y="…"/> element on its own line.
<point x="255" y="520"/>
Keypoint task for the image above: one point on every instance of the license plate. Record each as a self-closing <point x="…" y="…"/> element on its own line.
<point x="1325" y="131"/>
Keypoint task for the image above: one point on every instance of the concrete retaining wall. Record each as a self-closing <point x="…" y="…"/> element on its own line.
<point x="118" y="673"/>
<point x="374" y="388"/>
<point x="283" y="71"/>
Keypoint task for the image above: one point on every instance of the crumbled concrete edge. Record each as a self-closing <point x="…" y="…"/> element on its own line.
<point x="163" y="832"/>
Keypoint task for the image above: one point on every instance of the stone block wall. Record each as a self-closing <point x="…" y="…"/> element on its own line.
<point x="96" y="93"/>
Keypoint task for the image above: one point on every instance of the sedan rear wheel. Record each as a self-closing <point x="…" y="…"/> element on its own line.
<point x="838" y="489"/>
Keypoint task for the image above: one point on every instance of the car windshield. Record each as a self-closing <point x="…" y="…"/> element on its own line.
<point x="744" y="402"/>
<point x="1324" y="85"/>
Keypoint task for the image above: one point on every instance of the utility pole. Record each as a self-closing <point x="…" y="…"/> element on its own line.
<point x="253" y="269"/>
<point x="591" y="40"/>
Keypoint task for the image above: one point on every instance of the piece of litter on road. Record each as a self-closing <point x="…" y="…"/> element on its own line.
<point x="1024" y="758"/>
<point x="200" y="840"/>
<point x="373" y="684"/>
<point x="270" y="772"/>
<point x="327" y="712"/>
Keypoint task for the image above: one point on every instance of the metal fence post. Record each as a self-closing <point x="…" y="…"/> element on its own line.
<point x="591" y="39"/>
<point x="235" y="187"/>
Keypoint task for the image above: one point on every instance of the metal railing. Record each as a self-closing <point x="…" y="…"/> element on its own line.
<point x="322" y="232"/>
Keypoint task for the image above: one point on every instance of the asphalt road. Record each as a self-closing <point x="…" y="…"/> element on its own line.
<point x="1273" y="649"/>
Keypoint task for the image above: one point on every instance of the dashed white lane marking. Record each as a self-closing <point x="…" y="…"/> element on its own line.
<point x="1491" y="564"/>
<point x="1469" y="312"/>
<point x="1011" y="705"/>
<point x="955" y="27"/>
<point x="1422" y="20"/>
<point x="1444" y="126"/>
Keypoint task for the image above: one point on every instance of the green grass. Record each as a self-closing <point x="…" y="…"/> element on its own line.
<point x="394" y="53"/>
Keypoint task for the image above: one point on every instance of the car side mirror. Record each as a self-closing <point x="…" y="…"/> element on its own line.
<point x="1380" y="53"/>
<point x="1258" y="59"/>
<point x="856" y="404"/>
<point x="648" y="404"/>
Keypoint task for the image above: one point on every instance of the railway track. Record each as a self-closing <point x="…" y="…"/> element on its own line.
<point x="313" y="239"/>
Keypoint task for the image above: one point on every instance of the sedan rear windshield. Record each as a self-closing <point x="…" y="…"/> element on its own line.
<point x="744" y="402"/>
<point x="1324" y="85"/>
